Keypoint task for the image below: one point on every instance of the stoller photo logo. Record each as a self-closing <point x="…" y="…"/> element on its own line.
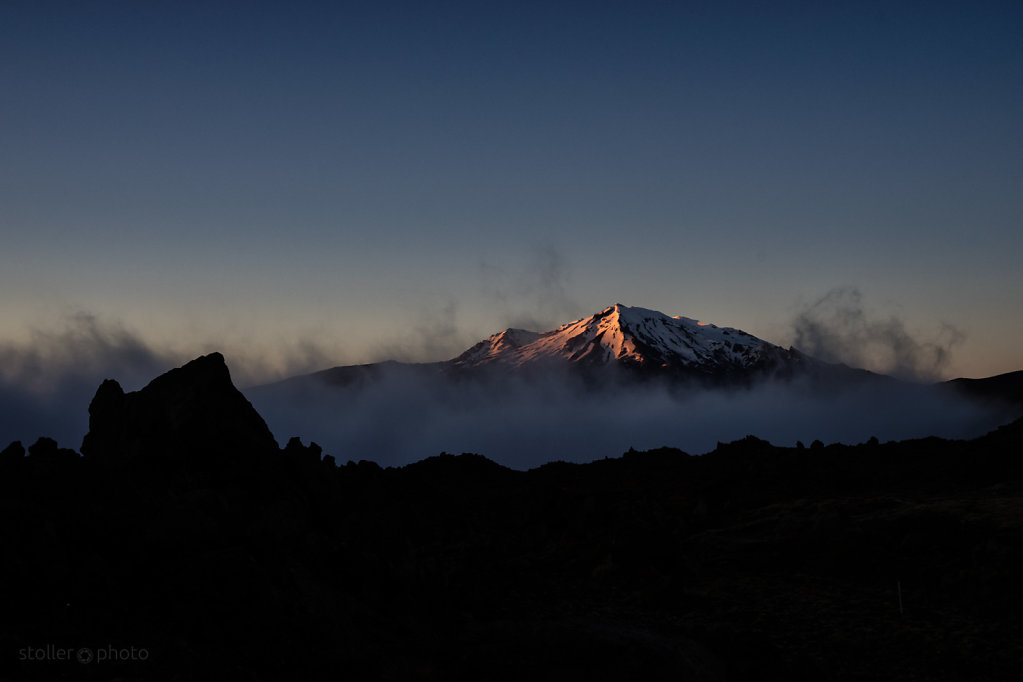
<point x="85" y="655"/>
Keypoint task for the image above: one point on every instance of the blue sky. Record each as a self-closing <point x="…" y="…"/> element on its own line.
<point x="306" y="183"/>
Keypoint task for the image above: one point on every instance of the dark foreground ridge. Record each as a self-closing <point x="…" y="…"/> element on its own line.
<point x="185" y="544"/>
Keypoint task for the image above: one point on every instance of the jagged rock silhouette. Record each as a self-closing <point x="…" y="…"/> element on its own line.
<point x="190" y="414"/>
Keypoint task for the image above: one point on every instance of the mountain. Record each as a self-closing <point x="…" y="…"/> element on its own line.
<point x="638" y="339"/>
<point x="617" y="342"/>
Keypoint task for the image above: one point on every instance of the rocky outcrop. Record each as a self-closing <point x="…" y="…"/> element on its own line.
<point x="192" y="414"/>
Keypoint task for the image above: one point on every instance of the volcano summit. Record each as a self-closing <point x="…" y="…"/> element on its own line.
<point x="638" y="339"/>
<point x="618" y="343"/>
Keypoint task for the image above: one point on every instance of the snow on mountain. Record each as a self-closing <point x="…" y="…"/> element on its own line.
<point x="630" y="336"/>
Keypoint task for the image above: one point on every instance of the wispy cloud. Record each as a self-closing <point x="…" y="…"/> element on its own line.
<point x="536" y="295"/>
<point x="433" y="333"/>
<point x="838" y="327"/>
<point x="46" y="383"/>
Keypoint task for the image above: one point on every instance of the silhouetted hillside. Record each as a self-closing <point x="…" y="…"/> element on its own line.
<point x="1003" y="388"/>
<point x="187" y="544"/>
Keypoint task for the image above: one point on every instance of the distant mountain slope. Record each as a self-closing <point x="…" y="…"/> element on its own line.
<point x="360" y="376"/>
<point x="1005" y="388"/>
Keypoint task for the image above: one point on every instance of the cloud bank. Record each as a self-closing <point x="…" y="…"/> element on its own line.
<point x="402" y="418"/>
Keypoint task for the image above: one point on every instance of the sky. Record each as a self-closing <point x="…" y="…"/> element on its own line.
<point x="306" y="184"/>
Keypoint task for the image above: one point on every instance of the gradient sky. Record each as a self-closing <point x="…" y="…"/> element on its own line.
<point x="302" y="184"/>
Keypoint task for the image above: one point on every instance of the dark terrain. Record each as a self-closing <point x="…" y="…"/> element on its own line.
<point x="184" y="531"/>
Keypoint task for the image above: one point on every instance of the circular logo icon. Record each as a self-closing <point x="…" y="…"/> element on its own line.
<point x="84" y="655"/>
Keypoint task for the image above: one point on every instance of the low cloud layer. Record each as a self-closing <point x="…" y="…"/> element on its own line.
<point x="401" y="419"/>
<point x="839" y="328"/>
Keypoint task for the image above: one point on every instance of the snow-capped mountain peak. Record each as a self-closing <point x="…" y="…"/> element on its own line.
<point x="626" y="335"/>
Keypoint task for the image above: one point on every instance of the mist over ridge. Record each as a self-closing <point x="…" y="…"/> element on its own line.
<point x="524" y="398"/>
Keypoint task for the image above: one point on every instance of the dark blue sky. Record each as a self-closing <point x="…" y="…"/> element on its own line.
<point x="358" y="180"/>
